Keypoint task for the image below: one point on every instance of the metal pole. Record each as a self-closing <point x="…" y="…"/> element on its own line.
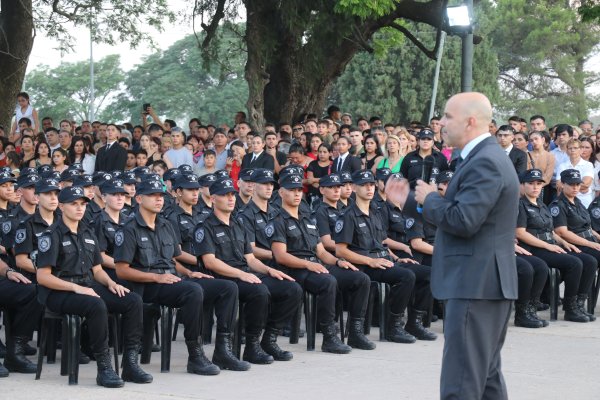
<point x="467" y="54"/>
<point x="91" y="110"/>
<point x="436" y="75"/>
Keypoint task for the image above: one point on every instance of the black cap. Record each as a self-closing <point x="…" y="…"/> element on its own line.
<point x="382" y="174"/>
<point x="426" y="134"/>
<point x="7" y="169"/>
<point x="46" y="185"/>
<point x="290" y="181"/>
<point x="69" y="175"/>
<point x="171" y="174"/>
<point x="139" y="171"/>
<point x="222" y="187"/>
<point x="117" y="174"/>
<point x="129" y="178"/>
<point x="149" y="187"/>
<point x="186" y="181"/>
<point x="346" y="177"/>
<point x="6" y="177"/>
<point x="185" y="169"/>
<point x="570" y="177"/>
<point x="83" y="181"/>
<point x="28" y="170"/>
<point x="531" y="175"/>
<point x="261" y="175"/>
<point x="221" y="174"/>
<point x="24" y="181"/>
<point x="76" y="167"/>
<point x="207" y="180"/>
<point x="50" y="174"/>
<point x="363" y="176"/>
<point x="150" y="177"/>
<point x="331" y="180"/>
<point x="445" y="176"/>
<point x="246" y="175"/>
<point x="100" y="177"/>
<point x="293" y="169"/>
<point x="44" y="168"/>
<point x="113" y="186"/>
<point x="72" y="193"/>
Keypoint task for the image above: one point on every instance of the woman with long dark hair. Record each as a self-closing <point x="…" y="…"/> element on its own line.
<point x="78" y="153"/>
<point x="60" y="160"/>
<point x="372" y="153"/>
<point x="41" y="156"/>
<point x="317" y="169"/>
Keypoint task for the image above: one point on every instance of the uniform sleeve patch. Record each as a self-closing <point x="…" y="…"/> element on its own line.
<point x="199" y="235"/>
<point x="44" y="244"/>
<point x="409" y="223"/>
<point x="555" y="211"/>
<point x="6" y="226"/>
<point x="119" y="238"/>
<point x="20" y="236"/>
<point x="339" y="225"/>
<point x="269" y="230"/>
<point x="596" y="213"/>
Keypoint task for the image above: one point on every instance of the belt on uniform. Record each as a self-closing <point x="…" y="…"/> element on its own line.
<point x="310" y="258"/>
<point x="78" y="279"/>
<point x="380" y="254"/>
<point x="587" y="235"/>
<point x="546" y="236"/>
<point x="160" y="270"/>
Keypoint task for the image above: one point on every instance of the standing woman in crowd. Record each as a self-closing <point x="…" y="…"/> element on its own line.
<point x="520" y="141"/>
<point x="41" y="156"/>
<point x="145" y="140"/>
<point x="304" y="140"/>
<point x="588" y="151"/>
<point x="313" y="152"/>
<point x="27" y="150"/>
<point x="318" y="169"/>
<point x="153" y="151"/>
<point x="25" y="110"/>
<point x="394" y="158"/>
<point x="60" y="160"/>
<point x="234" y="164"/>
<point x="372" y="155"/>
<point x="541" y="159"/>
<point x="78" y="153"/>
<point x="13" y="161"/>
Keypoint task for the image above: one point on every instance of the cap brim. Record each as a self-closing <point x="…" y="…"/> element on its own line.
<point x="222" y="192"/>
<point x="48" y="189"/>
<point x="71" y="199"/>
<point x="292" y="186"/>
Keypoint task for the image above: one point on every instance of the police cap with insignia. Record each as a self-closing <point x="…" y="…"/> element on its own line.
<point x="50" y="174"/>
<point x="28" y="170"/>
<point x="362" y="177"/>
<point x="100" y="177"/>
<point x="292" y="169"/>
<point x="445" y="176"/>
<point x="129" y="178"/>
<point x="149" y="187"/>
<point x="139" y="171"/>
<point x="222" y="187"/>
<point x="72" y="193"/>
<point x="171" y="174"/>
<point x="570" y="177"/>
<point x="76" y="167"/>
<point x="382" y="174"/>
<point x="8" y="169"/>
<point x="290" y="181"/>
<point x="6" y="177"/>
<point x="425" y="134"/>
<point x="261" y="175"/>
<point x="531" y="175"/>
<point x="207" y="180"/>
<point x="44" y="168"/>
<point x="113" y="186"/>
<point x="46" y="185"/>
<point x="346" y="177"/>
<point x="117" y="174"/>
<point x="83" y="181"/>
<point x="24" y="181"/>
<point x="185" y="169"/>
<point x="186" y="181"/>
<point x="150" y="177"/>
<point x="221" y="174"/>
<point x="330" y="180"/>
<point x="246" y="174"/>
<point x="69" y="175"/>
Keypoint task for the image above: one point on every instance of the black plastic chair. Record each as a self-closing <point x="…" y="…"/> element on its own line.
<point x="151" y="313"/>
<point x="554" y="295"/>
<point x="381" y="290"/>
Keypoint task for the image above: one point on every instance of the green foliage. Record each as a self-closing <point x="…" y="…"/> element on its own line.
<point x="590" y="11"/>
<point x="63" y="92"/>
<point x="366" y="8"/>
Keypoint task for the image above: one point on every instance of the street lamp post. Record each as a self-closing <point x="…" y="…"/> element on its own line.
<point x="459" y="19"/>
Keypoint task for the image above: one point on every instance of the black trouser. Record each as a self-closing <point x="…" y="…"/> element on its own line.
<point x="356" y="285"/>
<point x="284" y="297"/>
<point x="402" y="282"/>
<point x="185" y="295"/>
<point x="324" y="286"/>
<point x="223" y="296"/>
<point x="422" y="288"/>
<point x="532" y="273"/>
<point x="95" y="310"/>
<point x="23" y="307"/>
<point x="577" y="269"/>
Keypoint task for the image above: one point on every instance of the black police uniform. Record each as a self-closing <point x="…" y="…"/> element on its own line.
<point x="326" y="216"/>
<point x="105" y="229"/>
<point x="412" y="166"/>
<point x="254" y="220"/>
<point x="9" y="227"/>
<point x="594" y="211"/>
<point x="396" y="228"/>
<point x="26" y="237"/>
<point x="532" y="273"/>
<point x="419" y="228"/>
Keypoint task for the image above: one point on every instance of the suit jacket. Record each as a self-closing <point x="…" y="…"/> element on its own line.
<point x="111" y="160"/>
<point x="264" y="160"/>
<point x="519" y="159"/>
<point x="351" y="164"/>
<point x="474" y="255"/>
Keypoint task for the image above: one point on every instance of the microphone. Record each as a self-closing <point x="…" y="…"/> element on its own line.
<point x="426" y="168"/>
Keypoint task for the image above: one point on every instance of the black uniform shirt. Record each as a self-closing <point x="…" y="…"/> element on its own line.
<point x="572" y="215"/>
<point x="254" y="221"/>
<point x="326" y="216"/>
<point x="412" y="166"/>
<point x="419" y="228"/>
<point x="363" y="233"/>
<point x="301" y="235"/>
<point x="184" y="225"/>
<point x="594" y="211"/>
<point x="202" y="208"/>
<point x="9" y="226"/>
<point x="92" y="213"/>
<point x="535" y="218"/>
<point x="396" y="224"/>
<point x="105" y="229"/>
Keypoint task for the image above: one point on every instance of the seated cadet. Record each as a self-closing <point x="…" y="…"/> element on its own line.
<point x="328" y="211"/>
<point x="92" y="192"/>
<point x="412" y="164"/>
<point x="168" y="178"/>
<point x="205" y="205"/>
<point x="28" y="231"/>
<point x="297" y="250"/>
<point x="573" y="224"/>
<point x="72" y="281"/>
<point x="346" y="192"/>
<point x="144" y="256"/>
<point x="535" y="232"/>
<point x="532" y="273"/>
<point x="246" y="188"/>
<point x="292" y="169"/>
<point x="7" y="192"/>
<point x="67" y="176"/>
<point x="258" y="212"/>
<point x="221" y="294"/>
<point x="109" y="222"/>
<point x="129" y="182"/>
<point x="225" y="249"/>
<point x="359" y="237"/>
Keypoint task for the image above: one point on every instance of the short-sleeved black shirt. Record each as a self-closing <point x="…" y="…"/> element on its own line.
<point x="412" y="166"/>
<point x="92" y="212"/>
<point x="184" y="225"/>
<point x="202" y="208"/>
<point x="27" y="233"/>
<point x="535" y="218"/>
<point x="572" y="215"/>
<point x="105" y="229"/>
<point x="254" y="221"/>
<point x="326" y="216"/>
<point x="301" y="236"/>
<point x="594" y="211"/>
<point x="363" y="233"/>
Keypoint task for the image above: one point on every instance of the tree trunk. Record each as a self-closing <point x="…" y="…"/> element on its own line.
<point x="16" y="41"/>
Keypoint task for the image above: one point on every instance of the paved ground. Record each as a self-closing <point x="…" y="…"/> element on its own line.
<point x="559" y="362"/>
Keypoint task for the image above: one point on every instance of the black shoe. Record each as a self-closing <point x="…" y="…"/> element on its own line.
<point x="572" y="312"/>
<point x="581" y="301"/>
<point x="223" y="356"/>
<point x="2" y="350"/>
<point x="15" y="360"/>
<point x="3" y="371"/>
<point x="395" y="332"/>
<point x="107" y="376"/>
<point x="331" y="341"/>
<point x="523" y="317"/>
<point x="29" y="350"/>
<point x="539" y="306"/>
<point x="197" y="361"/>
<point x="270" y="346"/>
<point x="532" y="310"/>
<point x="132" y="372"/>
<point x="255" y="354"/>
<point x="356" y="335"/>
<point x="83" y="358"/>
<point x="415" y="327"/>
<point x="287" y="331"/>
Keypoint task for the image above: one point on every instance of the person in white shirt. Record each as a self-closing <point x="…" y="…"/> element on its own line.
<point x="585" y="168"/>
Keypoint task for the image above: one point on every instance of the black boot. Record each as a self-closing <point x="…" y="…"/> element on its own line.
<point x="254" y="353"/>
<point x="15" y="360"/>
<point x="270" y="346"/>
<point x="29" y="350"/>
<point x="532" y="310"/>
<point x="197" y="361"/>
<point x="331" y="341"/>
<point x="3" y="371"/>
<point x="581" y="299"/>
<point x="224" y="358"/>
<point x="395" y="332"/>
<point x="356" y="335"/>
<point x="107" y="376"/>
<point x="2" y="350"/>
<point x="523" y="317"/>
<point x="415" y="327"/>
<point x="572" y="312"/>
<point x="539" y="306"/>
<point x="132" y="372"/>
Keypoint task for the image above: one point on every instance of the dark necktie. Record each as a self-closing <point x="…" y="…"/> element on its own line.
<point x="339" y="166"/>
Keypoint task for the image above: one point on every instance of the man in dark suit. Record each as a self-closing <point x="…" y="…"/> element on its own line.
<point x="474" y="268"/>
<point x="258" y="158"/>
<point x="345" y="161"/>
<point x="111" y="156"/>
<point x="505" y="136"/>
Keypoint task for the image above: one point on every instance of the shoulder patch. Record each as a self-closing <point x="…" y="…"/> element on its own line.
<point x="199" y="235"/>
<point x="20" y="236"/>
<point x="119" y="238"/>
<point x="44" y="244"/>
<point x="554" y="211"/>
<point x="410" y="222"/>
<point x="596" y="213"/>
<point x="339" y="225"/>
<point x="269" y="230"/>
<point x="6" y="226"/>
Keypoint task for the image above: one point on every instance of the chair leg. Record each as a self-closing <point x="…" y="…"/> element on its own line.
<point x="66" y="346"/>
<point x="148" y="334"/>
<point x="74" y="344"/>
<point x="369" y="313"/>
<point x="553" y="294"/>
<point x="42" y="337"/>
<point x="176" y="326"/>
<point x="113" y="320"/>
<point x="295" y="326"/>
<point x="383" y="309"/>
<point x="166" y="317"/>
<point x="51" y="341"/>
<point x="311" y="326"/>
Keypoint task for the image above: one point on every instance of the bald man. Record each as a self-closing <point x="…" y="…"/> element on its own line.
<point x="474" y="268"/>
